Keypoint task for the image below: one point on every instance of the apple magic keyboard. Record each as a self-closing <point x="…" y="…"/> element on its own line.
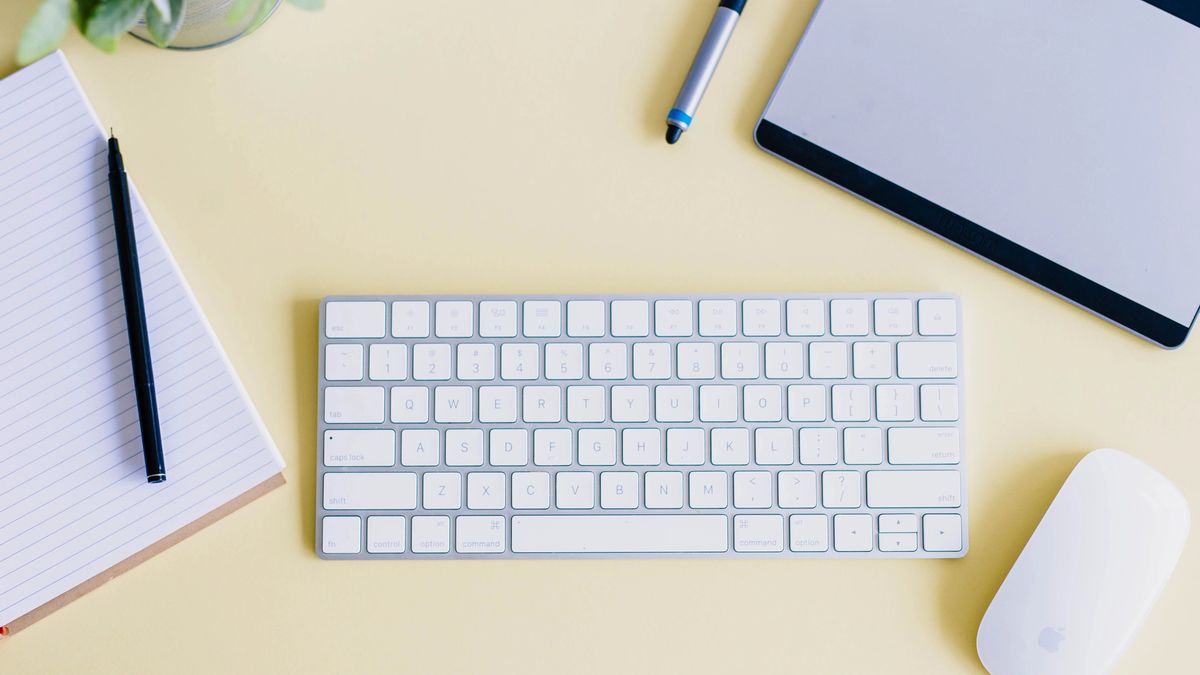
<point x="640" y="426"/>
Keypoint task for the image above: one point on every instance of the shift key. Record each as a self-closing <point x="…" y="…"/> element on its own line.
<point x="913" y="489"/>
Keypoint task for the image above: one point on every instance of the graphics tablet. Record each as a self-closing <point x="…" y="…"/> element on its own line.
<point x="1059" y="139"/>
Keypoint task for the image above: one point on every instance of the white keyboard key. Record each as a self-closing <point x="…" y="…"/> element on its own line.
<point x="441" y="490"/>
<point x="862" y="445"/>
<point x="530" y="490"/>
<point x="420" y="447"/>
<point x="697" y="361"/>
<point x="785" y="360"/>
<point x="410" y="405"/>
<point x="651" y="361"/>
<point x="519" y="361"/>
<point x="664" y="490"/>
<point x="895" y="403"/>
<point x="343" y="362"/>
<point x="430" y="534"/>
<point x="585" y="318"/>
<point x="630" y="403"/>
<point x="827" y="360"/>
<point x="354" y="405"/>
<point x="841" y="489"/>
<point x="898" y="541"/>
<point x="673" y="318"/>
<point x="359" y="447"/>
<point x="386" y="534"/>
<point x="410" y="319"/>
<point x="718" y="403"/>
<point x="553" y="447"/>
<point x="852" y="532"/>
<point x="486" y="491"/>
<point x="739" y="360"/>
<point x="641" y="447"/>
<point x="924" y="445"/>
<point x="564" y="361"/>
<point x="619" y="490"/>
<point x="575" y="490"/>
<point x="937" y="316"/>
<point x="761" y="318"/>
<point x="498" y="405"/>
<point x="541" y="404"/>
<point x="943" y="532"/>
<point x="453" y="405"/>
<point x="752" y="489"/>
<point x="608" y="361"/>
<point x="597" y="447"/>
<point x="630" y="318"/>
<point x="708" y="490"/>
<point x="685" y="447"/>
<point x="674" y="403"/>
<point x="508" y="447"/>
<point x="897" y="522"/>
<point x="872" y="360"/>
<point x="620" y="534"/>
<point x="388" y="362"/>
<point x="818" y="445"/>
<point x="453" y="319"/>
<point x="355" y="319"/>
<point x="806" y="403"/>
<point x="851" y="403"/>
<point x="498" y="318"/>
<point x="774" y="446"/>
<point x="927" y="360"/>
<point x="797" y="489"/>
<point x="476" y="361"/>
<point x="586" y="403"/>
<point x="893" y="317"/>
<point x="848" y="317"/>
<point x="762" y="402"/>
<point x="479" y="534"/>
<point x="341" y="534"/>
<point x="913" y="489"/>
<point x="464" y="447"/>
<point x="543" y="318"/>
<point x="730" y="447"/>
<point x="805" y="318"/>
<point x="718" y="318"/>
<point x="431" y="362"/>
<point x="363" y="491"/>
<point x="758" y="534"/>
<point x="809" y="534"/>
<point x="939" y="402"/>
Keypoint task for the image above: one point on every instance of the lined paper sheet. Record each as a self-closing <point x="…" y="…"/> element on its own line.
<point x="74" y="500"/>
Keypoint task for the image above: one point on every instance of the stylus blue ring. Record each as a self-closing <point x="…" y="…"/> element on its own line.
<point x="677" y="115"/>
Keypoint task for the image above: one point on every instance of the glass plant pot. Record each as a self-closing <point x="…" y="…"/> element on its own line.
<point x="206" y="24"/>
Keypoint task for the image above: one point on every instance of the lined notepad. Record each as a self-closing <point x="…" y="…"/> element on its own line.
<point x="75" y="507"/>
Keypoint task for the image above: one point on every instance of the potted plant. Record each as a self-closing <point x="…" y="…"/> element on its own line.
<point x="179" y="24"/>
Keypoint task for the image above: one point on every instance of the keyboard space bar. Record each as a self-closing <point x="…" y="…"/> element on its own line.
<point x="620" y="534"/>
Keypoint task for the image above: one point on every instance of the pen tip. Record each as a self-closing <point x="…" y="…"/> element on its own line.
<point x="673" y="134"/>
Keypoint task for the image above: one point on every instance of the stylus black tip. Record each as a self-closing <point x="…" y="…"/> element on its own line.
<point x="673" y="134"/>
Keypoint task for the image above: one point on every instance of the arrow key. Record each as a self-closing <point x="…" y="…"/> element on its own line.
<point x="852" y="532"/>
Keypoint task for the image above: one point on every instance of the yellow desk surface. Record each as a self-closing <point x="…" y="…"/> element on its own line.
<point x="505" y="147"/>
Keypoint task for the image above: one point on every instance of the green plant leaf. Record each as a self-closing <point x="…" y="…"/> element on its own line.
<point x="111" y="19"/>
<point x="162" y="29"/>
<point x="164" y="9"/>
<point x="82" y="11"/>
<point x="310" y="5"/>
<point x="44" y="31"/>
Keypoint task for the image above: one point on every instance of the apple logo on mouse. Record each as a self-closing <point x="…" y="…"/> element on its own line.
<point x="1050" y="638"/>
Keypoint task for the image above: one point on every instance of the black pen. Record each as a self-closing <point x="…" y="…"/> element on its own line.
<point x="135" y="316"/>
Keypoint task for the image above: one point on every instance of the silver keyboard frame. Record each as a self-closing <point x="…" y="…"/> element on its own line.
<point x="730" y="511"/>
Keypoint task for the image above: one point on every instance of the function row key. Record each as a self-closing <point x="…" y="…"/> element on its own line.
<point x="632" y="318"/>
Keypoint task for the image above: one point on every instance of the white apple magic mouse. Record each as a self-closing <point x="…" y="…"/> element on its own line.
<point x="1090" y="572"/>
